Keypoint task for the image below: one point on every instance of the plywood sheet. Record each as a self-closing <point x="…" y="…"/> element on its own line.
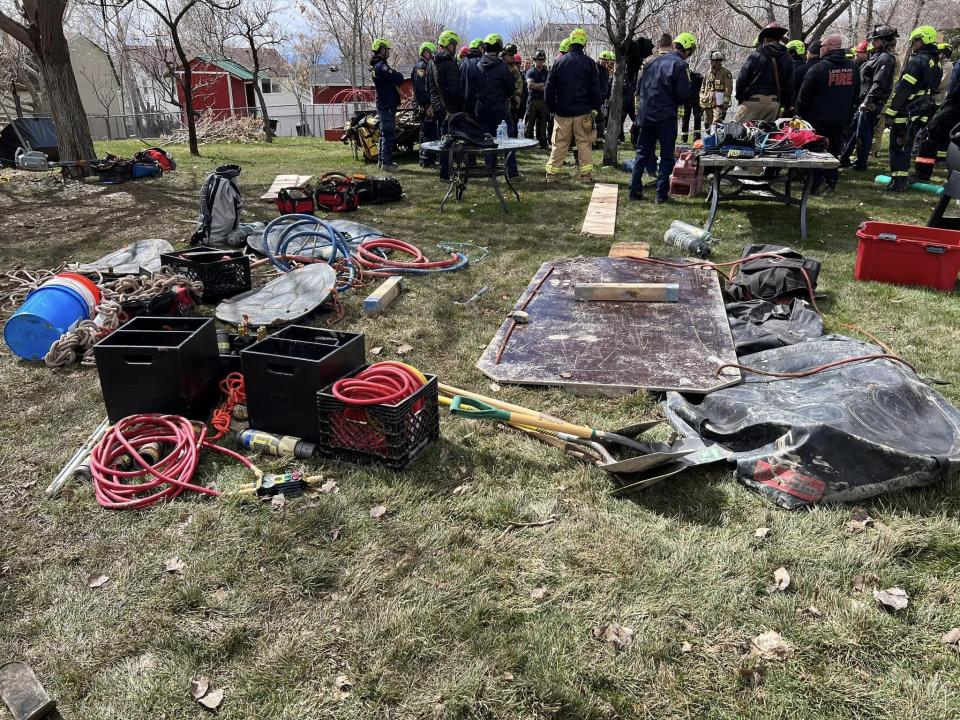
<point x="605" y="346"/>
<point x="281" y="182"/>
<point x="601" y="217"/>
<point x="629" y="249"/>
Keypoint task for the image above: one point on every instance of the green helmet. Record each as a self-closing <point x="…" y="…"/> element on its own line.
<point x="797" y="47"/>
<point x="686" y="40"/>
<point x="381" y="43"/>
<point x="493" y="39"/>
<point x="565" y="45"/>
<point x="607" y="55"/>
<point x="475" y="43"/>
<point x="427" y="46"/>
<point x="926" y="34"/>
<point x="945" y="46"/>
<point x="447" y="37"/>
<point x="578" y="37"/>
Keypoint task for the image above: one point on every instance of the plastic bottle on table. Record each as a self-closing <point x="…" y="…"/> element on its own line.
<point x="501" y="131"/>
<point x="521" y="127"/>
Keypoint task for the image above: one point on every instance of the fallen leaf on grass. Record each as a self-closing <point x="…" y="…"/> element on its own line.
<point x="341" y="682"/>
<point x="95" y="580"/>
<point x="781" y="580"/>
<point x="335" y="533"/>
<point x="686" y="647"/>
<point x="220" y="595"/>
<point x="539" y="593"/>
<point x="861" y="582"/>
<point x="330" y="486"/>
<point x="952" y="639"/>
<point x="507" y="675"/>
<point x="404" y="349"/>
<point x="751" y="674"/>
<point x="770" y="646"/>
<point x="278" y="502"/>
<point x="494" y="387"/>
<point x="859" y="525"/>
<point x="378" y="511"/>
<point x="615" y="634"/>
<point x="199" y="686"/>
<point x="174" y="565"/>
<point x="892" y="599"/>
<point x="212" y="700"/>
<point x="377" y="350"/>
<point x="761" y="532"/>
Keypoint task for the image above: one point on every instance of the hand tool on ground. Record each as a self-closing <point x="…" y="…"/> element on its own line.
<point x="472" y="298"/>
<point x="476" y="409"/>
<point x="79" y="459"/>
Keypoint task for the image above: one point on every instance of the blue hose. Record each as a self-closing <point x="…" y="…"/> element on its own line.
<point x="307" y="226"/>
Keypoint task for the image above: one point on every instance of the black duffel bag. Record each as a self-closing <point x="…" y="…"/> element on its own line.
<point x="773" y="278"/>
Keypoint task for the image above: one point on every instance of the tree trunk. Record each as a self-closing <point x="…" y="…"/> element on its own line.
<point x="17" y="107"/>
<point x="611" y="143"/>
<point x="187" y="87"/>
<point x="66" y="109"/>
<point x="868" y="23"/>
<point x="267" y="132"/>
<point x="795" y="20"/>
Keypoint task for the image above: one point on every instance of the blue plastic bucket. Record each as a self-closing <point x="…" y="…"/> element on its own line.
<point x="46" y="314"/>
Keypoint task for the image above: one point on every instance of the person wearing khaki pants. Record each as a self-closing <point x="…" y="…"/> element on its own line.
<point x="574" y="96"/>
<point x="765" y="82"/>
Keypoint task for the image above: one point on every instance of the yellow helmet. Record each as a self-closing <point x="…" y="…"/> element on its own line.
<point x="578" y="37"/>
<point x="797" y="47"/>
<point x="381" y="43"/>
<point x="565" y="45"/>
<point x="686" y="40"/>
<point x="927" y="34"/>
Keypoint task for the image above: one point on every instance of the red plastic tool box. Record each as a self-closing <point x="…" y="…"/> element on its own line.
<point x="908" y="255"/>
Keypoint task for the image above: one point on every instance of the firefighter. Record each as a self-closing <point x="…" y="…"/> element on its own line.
<point x="797" y="52"/>
<point x="574" y="96"/>
<point x="692" y="109"/>
<point x="935" y="138"/>
<point x="717" y="90"/>
<point x="765" y="82"/>
<point x="474" y="53"/>
<point x="443" y="85"/>
<point x="563" y="48"/>
<point x="827" y="100"/>
<point x="387" y="82"/>
<point x="876" y="82"/>
<point x="946" y="65"/>
<point x="664" y="87"/>
<point x="421" y="96"/>
<point x="911" y="103"/>
<point x="509" y="57"/>
<point x="489" y="93"/>
<point x="535" y="119"/>
<point x="861" y="53"/>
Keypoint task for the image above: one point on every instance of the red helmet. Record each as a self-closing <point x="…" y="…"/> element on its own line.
<point x="517" y="59"/>
<point x="773" y="30"/>
<point x="861" y="46"/>
<point x="463" y="51"/>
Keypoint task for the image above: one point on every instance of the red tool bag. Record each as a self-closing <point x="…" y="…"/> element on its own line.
<point x="158" y="155"/>
<point x="336" y="193"/>
<point x="296" y="200"/>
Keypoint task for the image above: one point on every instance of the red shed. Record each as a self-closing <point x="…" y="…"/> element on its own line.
<point x="221" y="87"/>
<point x="336" y="84"/>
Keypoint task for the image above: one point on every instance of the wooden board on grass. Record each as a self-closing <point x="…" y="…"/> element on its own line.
<point x="601" y="218"/>
<point x="281" y="182"/>
<point x="629" y="249"/>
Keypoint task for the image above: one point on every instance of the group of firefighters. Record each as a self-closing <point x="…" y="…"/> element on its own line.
<point x="847" y="95"/>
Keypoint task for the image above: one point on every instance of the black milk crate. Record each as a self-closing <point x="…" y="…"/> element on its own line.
<point x="159" y="365"/>
<point x="284" y="372"/>
<point x="394" y="435"/>
<point x="224" y="273"/>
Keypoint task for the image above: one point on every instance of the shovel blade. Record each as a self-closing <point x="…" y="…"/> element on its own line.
<point x="23" y="693"/>
<point x="643" y="463"/>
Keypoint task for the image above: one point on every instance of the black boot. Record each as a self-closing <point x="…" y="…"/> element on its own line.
<point x="898" y="185"/>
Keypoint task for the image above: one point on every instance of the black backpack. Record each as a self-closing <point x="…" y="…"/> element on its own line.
<point x="463" y="127"/>
<point x="773" y="278"/>
<point x="378" y="190"/>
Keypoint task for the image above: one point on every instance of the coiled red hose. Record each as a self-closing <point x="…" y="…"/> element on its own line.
<point x="372" y="261"/>
<point x="383" y="383"/>
<point x="148" y="483"/>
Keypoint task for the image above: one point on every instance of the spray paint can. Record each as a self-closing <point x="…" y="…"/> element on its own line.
<point x="268" y="444"/>
<point x="688" y="243"/>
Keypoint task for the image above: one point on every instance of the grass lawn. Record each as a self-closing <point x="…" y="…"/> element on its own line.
<point x="427" y="612"/>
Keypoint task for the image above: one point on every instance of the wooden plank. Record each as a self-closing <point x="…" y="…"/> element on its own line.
<point x="816" y="161"/>
<point x="616" y="348"/>
<point x="629" y="249"/>
<point x="601" y="217"/>
<point x="627" y="292"/>
<point x="283" y="181"/>
<point x="379" y="299"/>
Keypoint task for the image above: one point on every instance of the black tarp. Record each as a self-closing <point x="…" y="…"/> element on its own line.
<point x="841" y="435"/>
<point x="760" y="325"/>
<point x="38" y="132"/>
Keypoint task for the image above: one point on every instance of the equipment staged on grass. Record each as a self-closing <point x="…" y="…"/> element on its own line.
<point x="427" y="565"/>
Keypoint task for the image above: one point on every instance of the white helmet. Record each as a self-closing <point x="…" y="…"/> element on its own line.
<point x="717" y="55"/>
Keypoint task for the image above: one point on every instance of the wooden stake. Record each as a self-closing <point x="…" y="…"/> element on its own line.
<point x="379" y="299"/>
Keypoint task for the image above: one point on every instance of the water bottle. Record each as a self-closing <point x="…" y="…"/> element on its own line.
<point x="687" y="242"/>
<point x="501" y="132"/>
<point x="521" y="128"/>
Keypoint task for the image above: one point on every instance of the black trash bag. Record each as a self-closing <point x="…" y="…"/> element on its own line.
<point x="760" y="325"/>
<point x="773" y="278"/>
<point x="842" y="435"/>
